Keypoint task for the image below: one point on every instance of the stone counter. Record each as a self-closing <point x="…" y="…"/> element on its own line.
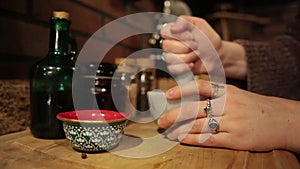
<point x="14" y="106"/>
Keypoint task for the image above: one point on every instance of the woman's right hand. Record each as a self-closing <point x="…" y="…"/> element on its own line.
<point x="246" y="120"/>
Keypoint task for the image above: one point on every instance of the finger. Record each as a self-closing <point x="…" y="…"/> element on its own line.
<point x="197" y="126"/>
<point x="171" y="58"/>
<point x="179" y="47"/>
<point x="180" y="68"/>
<point x="165" y="32"/>
<point x="200" y="86"/>
<point x="183" y="36"/>
<point x="180" y="33"/>
<point x="221" y="139"/>
<point x="181" y="25"/>
<point x="199" y="68"/>
<point x="175" y="46"/>
<point x="188" y="110"/>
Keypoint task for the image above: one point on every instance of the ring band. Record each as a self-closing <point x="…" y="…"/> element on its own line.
<point x="160" y="43"/>
<point x="216" y="89"/>
<point x="212" y="123"/>
<point x="208" y="109"/>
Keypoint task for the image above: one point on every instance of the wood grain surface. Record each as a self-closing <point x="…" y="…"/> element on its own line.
<point x="21" y="151"/>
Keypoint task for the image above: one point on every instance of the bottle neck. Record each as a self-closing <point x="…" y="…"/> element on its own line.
<point x="59" y="36"/>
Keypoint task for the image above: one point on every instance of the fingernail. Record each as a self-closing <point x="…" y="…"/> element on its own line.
<point x="170" y="93"/>
<point x="171" y="136"/>
<point x="181" y="137"/>
<point x="191" y="65"/>
<point x="159" y="122"/>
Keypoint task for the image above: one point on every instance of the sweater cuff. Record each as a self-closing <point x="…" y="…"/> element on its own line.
<point x="271" y="66"/>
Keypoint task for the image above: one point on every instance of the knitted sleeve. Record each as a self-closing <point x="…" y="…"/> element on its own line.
<point x="273" y="67"/>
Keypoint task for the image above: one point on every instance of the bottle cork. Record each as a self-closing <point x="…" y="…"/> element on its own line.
<point x="61" y="15"/>
<point x="119" y="60"/>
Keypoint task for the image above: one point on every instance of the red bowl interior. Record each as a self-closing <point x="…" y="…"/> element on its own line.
<point x="92" y="115"/>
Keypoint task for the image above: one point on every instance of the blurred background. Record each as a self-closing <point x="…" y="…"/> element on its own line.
<point x="24" y="24"/>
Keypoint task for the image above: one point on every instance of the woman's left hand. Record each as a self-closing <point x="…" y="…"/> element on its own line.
<point x="248" y="121"/>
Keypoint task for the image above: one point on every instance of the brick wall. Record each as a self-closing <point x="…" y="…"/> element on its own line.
<point x="24" y="28"/>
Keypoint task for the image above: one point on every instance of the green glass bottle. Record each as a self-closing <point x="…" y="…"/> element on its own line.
<point x="51" y="81"/>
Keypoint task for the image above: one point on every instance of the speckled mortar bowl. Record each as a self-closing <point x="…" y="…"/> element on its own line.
<point x="93" y="130"/>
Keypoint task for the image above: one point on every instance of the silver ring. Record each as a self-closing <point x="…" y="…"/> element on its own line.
<point x="216" y="89"/>
<point x="212" y="123"/>
<point x="160" y="43"/>
<point x="208" y="109"/>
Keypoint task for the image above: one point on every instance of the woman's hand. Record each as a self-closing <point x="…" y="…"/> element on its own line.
<point x="184" y="46"/>
<point x="248" y="121"/>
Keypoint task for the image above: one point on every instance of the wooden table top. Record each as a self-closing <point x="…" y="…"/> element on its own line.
<point x="21" y="150"/>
